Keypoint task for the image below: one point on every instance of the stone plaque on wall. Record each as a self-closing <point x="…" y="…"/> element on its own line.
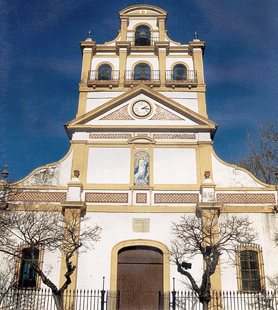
<point x="141" y="225"/>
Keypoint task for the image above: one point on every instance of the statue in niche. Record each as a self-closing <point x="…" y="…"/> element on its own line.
<point x="141" y="171"/>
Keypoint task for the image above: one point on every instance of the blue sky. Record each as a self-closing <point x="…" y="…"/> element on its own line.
<point x="40" y="68"/>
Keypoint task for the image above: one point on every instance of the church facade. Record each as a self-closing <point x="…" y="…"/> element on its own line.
<point x="141" y="157"/>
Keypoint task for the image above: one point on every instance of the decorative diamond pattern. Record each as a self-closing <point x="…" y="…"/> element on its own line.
<point x="141" y="198"/>
<point x="176" y="198"/>
<point x="109" y="136"/>
<point x="121" y="114"/>
<point x="246" y="198"/>
<point x="106" y="197"/>
<point x="40" y="196"/>
<point x="174" y="136"/>
<point x="162" y="114"/>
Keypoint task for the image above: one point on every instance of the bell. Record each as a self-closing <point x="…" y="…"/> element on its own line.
<point x="142" y="39"/>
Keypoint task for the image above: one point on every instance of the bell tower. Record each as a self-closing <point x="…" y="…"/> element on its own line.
<point x="143" y="54"/>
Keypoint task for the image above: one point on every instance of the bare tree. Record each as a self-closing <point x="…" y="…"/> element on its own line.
<point x="6" y="277"/>
<point x="262" y="150"/>
<point x="51" y="232"/>
<point x="204" y="236"/>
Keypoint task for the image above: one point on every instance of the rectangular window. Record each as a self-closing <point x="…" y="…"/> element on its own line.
<point x="250" y="269"/>
<point x="26" y="275"/>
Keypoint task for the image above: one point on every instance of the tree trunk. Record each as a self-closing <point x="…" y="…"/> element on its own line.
<point x="58" y="299"/>
<point x="205" y="305"/>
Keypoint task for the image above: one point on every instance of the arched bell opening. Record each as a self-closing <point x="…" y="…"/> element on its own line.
<point x="142" y="36"/>
<point x="180" y="72"/>
<point x="142" y="71"/>
<point x="104" y="72"/>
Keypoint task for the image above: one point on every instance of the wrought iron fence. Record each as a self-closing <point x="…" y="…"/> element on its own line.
<point x="99" y="300"/>
<point x="151" y="75"/>
<point x="226" y="301"/>
<point x="94" y="75"/>
<point x="44" y="300"/>
<point x="187" y="76"/>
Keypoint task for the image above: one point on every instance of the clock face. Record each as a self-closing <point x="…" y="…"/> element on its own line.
<point x="141" y="108"/>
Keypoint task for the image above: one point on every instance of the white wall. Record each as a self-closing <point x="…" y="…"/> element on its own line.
<point x="265" y="225"/>
<point x="117" y="227"/>
<point x="174" y="166"/>
<point x="108" y="165"/>
<point x="225" y="175"/>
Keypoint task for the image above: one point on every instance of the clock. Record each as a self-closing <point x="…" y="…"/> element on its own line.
<point x="141" y="108"/>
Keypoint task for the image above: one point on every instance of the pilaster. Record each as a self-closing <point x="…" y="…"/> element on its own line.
<point x="124" y="24"/>
<point x="87" y="48"/>
<point x="78" y="160"/>
<point x="202" y="106"/>
<point x="161" y="27"/>
<point x="162" y="50"/>
<point x="72" y="210"/>
<point x="209" y="214"/>
<point x="197" y="48"/>
<point x="122" y="48"/>
<point x="205" y="164"/>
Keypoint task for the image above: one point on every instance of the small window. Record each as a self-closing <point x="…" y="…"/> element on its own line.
<point x="104" y="72"/>
<point x="180" y="72"/>
<point x="28" y="276"/>
<point x="250" y="273"/>
<point x="25" y="276"/>
<point x="142" y="71"/>
<point x="142" y="36"/>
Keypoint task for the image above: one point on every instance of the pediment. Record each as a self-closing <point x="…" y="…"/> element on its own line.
<point x="145" y="9"/>
<point x="117" y="112"/>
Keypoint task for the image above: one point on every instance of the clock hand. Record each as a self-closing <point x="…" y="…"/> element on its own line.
<point x="145" y="108"/>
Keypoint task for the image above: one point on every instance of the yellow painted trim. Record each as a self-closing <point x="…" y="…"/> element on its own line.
<point x="138" y="242"/>
<point x="140" y="138"/>
<point x="244" y="170"/>
<point x="208" y="213"/>
<point x="82" y="104"/>
<point x="156" y="187"/>
<point x="128" y="11"/>
<point x="260" y="262"/>
<point x="202" y="105"/>
<point x="112" y="208"/>
<point x="43" y="188"/>
<point x="244" y="189"/>
<point x="142" y="209"/>
<point x="78" y="159"/>
<point x="68" y="216"/>
<point x="46" y="166"/>
<point x="248" y="209"/>
<point x="84" y="88"/>
<point x="116" y="39"/>
<point x="175" y="42"/>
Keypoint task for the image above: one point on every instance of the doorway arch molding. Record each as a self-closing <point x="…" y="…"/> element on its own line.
<point x="140" y="242"/>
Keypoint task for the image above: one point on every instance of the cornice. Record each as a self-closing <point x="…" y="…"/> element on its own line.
<point x="87" y="44"/>
<point x="138" y="128"/>
<point x="134" y="11"/>
<point x="197" y="44"/>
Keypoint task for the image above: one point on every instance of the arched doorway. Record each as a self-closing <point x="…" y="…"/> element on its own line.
<point x="140" y="278"/>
